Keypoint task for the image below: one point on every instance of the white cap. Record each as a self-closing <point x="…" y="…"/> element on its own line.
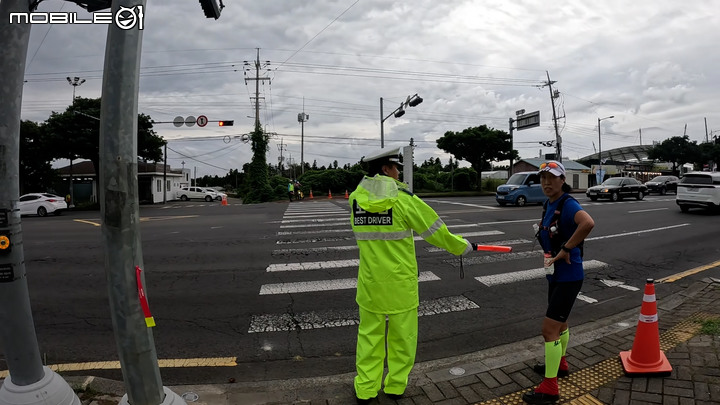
<point x="554" y="167"/>
<point x="393" y="155"/>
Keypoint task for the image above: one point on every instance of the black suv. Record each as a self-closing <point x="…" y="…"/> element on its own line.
<point x="662" y="184"/>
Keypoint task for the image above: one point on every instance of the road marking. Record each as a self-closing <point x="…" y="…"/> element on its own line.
<point x="314" y="250"/>
<point x="163" y="363"/>
<point x="654" y="209"/>
<point x="332" y="319"/>
<point x="494" y="223"/>
<point x="495" y="258"/>
<point x="325" y="285"/>
<point x="585" y="298"/>
<point x="87" y="222"/>
<point x="314" y="220"/>
<point x="621" y="284"/>
<point x="678" y="276"/>
<point x="489" y="207"/>
<point x="433" y="249"/>
<point x="308" y="213"/>
<point x="326" y="264"/>
<point x="288" y="233"/>
<point x="665" y="228"/>
<point x="524" y="275"/>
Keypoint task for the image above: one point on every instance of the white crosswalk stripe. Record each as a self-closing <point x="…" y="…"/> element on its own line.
<point x="331" y="319"/>
<point x="524" y="275"/>
<point x="326" y="285"/>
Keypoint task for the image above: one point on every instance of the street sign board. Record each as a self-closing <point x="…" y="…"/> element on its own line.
<point x="529" y="120"/>
<point x="202" y="121"/>
<point x="190" y="120"/>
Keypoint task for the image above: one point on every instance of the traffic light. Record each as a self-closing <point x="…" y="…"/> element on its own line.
<point x="226" y="123"/>
<point x="211" y="8"/>
<point x="415" y="101"/>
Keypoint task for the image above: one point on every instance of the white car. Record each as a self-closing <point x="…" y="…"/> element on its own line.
<point x="218" y="194"/>
<point x="699" y="190"/>
<point x="195" y="193"/>
<point x="41" y="204"/>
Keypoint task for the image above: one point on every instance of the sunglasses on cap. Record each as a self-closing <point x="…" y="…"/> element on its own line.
<point x="551" y="165"/>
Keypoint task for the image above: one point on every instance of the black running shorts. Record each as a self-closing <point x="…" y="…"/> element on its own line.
<point x="561" y="297"/>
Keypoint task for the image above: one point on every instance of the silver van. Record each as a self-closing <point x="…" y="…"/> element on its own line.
<point x="698" y="190"/>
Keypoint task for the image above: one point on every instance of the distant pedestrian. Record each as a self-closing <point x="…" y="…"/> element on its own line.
<point x="298" y="193"/>
<point x="561" y="232"/>
<point x="384" y="214"/>
<point x="291" y="190"/>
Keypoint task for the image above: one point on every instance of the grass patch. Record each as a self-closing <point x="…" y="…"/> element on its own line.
<point x="710" y="327"/>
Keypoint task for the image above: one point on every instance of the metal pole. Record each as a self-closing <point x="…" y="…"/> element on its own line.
<point x="600" y="154"/>
<point x="510" y="172"/>
<point x="17" y="332"/>
<point x="382" y="121"/>
<point x="119" y="210"/>
<point x="558" y="139"/>
<point x="164" y="187"/>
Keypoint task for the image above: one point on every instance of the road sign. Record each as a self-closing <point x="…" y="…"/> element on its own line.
<point x="526" y="121"/>
<point x="178" y="121"/>
<point x="202" y="121"/>
<point x="190" y="120"/>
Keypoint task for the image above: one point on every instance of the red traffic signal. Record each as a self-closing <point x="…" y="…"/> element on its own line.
<point x="226" y="123"/>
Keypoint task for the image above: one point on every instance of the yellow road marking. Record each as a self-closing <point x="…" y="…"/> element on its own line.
<point x="142" y="219"/>
<point x="163" y="363"/>
<point x="678" y="276"/>
<point x="87" y="222"/>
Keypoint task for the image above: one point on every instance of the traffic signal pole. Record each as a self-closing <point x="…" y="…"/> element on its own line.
<point x="119" y="210"/>
<point x="29" y="382"/>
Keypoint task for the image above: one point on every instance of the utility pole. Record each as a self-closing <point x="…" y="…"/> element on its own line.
<point x="29" y="381"/>
<point x="164" y="187"/>
<point x="510" y="170"/>
<point x="119" y="211"/>
<point x="707" y="139"/>
<point x="281" y="148"/>
<point x="558" y="140"/>
<point x="257" y="79"/>
<point x="640" y="131"/>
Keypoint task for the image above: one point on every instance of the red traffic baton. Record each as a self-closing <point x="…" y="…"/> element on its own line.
<point x="494" y="248"/>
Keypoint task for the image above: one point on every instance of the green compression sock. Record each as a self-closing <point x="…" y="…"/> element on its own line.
<point x="553" y="353"/>
<point x="564" y="338"/>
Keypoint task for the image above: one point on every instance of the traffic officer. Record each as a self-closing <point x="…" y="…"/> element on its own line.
<point x="384" y="214"/>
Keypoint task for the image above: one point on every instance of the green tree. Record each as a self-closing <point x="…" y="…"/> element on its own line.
<point x="75" y="133"/>
<point x="258" y="178"/>
<point x="678" y="150"/>
<point x="36" y="173"/>
<point x="479" y="146"/>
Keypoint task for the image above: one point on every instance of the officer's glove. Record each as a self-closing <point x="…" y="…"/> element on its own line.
<point x="474" y="246"/>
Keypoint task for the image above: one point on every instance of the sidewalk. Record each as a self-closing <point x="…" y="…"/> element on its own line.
<point x="502" y="374"/>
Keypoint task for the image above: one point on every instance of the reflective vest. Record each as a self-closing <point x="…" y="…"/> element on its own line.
<point x="384" y="215"/>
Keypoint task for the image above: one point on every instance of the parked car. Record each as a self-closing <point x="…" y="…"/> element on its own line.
<point x="698" y="189"/>
<point x="195" y="193"/>
<point x="520" y="189"/>
<point x="217" y="195"/>
<point x="662" y="184"/>
<point x="41" y="204"/>
<point x="617" y="188"/>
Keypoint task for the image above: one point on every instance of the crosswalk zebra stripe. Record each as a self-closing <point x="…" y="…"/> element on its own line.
<point x="325" y="249"/>
<point x="490" y="207"/>
<point x="317" y="225"/>
<point x="327" y="264"/>
<point x="288" y="233"/>
<point x="583" y="297"/>
<point x="337" y="318"/>
<point x="326" y="285"/>
<point x="524" y="275"/>
<point x="341" y="238"/>
<point x="344" y="218"/>
<point x="433" y="249"/>
<point x="311" y="213"/>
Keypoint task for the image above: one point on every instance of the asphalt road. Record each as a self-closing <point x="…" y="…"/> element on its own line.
<point x="271" y="285"/>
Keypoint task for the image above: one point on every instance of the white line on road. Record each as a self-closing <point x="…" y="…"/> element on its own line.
<point x="325" y="249"/>
<point x="524" y="275"/>
<point x="587" y="299"/>
<point x="489" y="207"/>
<point x="493" y="223"/>
<point x="286" y="233"/>
<point x="346" y="218"/>
<point x="497" y="242"/>
<point x="665" y="228"/>
<point x="621" y="284"/>
<point x="326" y="285"/>
<point x="331" y="319"/>
<point x="654" y="209"/>
<point x="326" y="264"/>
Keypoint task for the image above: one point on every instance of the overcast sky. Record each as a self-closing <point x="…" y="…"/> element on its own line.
<point x="651" y="64"/>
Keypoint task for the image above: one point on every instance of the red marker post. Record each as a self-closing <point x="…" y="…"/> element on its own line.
<point x="149" y="320"/>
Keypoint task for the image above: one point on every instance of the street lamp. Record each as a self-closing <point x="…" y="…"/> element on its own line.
<point x="411" y="101"/>
<point x="600" y="149"/>
<point x="75" y="81"/>
<point x="302" y="117"/>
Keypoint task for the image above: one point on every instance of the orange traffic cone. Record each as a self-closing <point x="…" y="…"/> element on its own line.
<point x="346" y="195"/>
<point x="329" y="195"/>
<point x="646" y="356"/>
<point x="311" y="196"/>
<point x="224" y="200"/>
